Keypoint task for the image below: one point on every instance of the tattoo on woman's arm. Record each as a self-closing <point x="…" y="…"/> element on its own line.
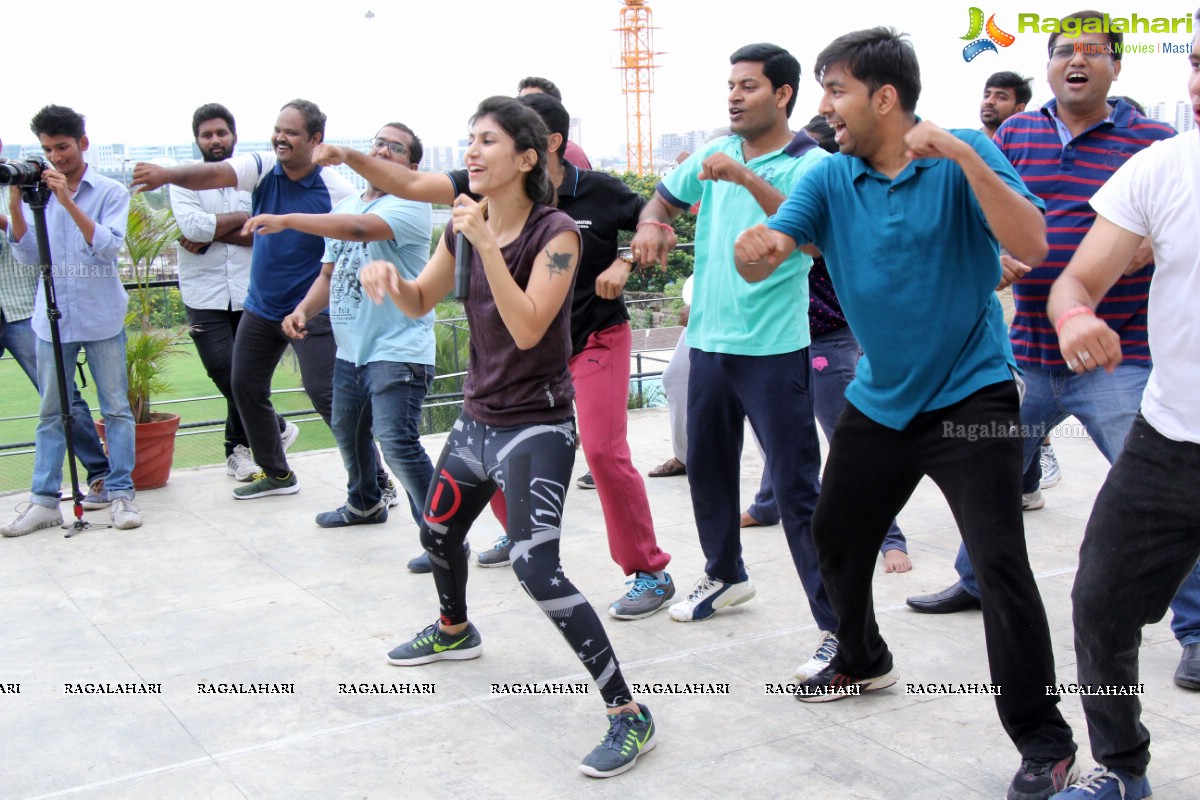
<point x="559" y="262"/>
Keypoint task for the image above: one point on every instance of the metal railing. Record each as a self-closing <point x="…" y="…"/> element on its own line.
<point x="14" y="476"/>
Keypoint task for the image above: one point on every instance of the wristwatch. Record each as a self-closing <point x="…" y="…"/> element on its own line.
<point x="627" y="257"/>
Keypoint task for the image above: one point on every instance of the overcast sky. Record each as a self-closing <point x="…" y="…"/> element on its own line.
<point x="138" y="69"/>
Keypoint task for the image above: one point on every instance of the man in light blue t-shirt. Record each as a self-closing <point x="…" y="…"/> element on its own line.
<point x="384" y="364"/>
<point x="749" y="342"/>
<point x="909" y="218"/>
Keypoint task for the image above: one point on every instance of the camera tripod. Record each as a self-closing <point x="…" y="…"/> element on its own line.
<point x="38" y="197"/>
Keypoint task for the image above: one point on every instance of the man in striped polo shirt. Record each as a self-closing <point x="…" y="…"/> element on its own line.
<point x="1065" y="152"/>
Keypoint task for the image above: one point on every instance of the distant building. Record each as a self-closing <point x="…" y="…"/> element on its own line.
<point x="1184" y="120"/>
<point x="670" y="145"/>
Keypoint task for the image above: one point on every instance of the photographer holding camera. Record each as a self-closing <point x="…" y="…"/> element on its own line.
<point x="85" y="219"/>
<point x="18" y="288"/>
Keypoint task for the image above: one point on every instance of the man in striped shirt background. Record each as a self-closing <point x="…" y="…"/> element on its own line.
<point x="1065" y="151"/>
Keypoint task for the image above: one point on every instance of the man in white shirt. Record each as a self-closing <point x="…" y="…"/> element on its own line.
<point x="1143" y="538"/>
<point x="214" y="273"/>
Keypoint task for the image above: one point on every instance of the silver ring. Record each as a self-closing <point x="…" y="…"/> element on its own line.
<point x="1084" y="356"/>
<point x="1071" y="365"/>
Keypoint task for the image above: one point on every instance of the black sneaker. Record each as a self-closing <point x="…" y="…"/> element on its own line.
<point x="585" y="481"/>
<point x="829" y="684"/>
<point x="434" y="644"/>
<point x="1038" y="778"/>
<point x="344" y="517"/>
<point x="629" y="736"/>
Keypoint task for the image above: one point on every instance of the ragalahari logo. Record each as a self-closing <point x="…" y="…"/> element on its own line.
<point x="995" y="36"/>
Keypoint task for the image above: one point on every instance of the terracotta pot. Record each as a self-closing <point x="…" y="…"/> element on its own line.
<point x="155" y="449"/>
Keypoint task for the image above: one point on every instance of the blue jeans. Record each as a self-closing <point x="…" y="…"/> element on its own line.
<point x="1106" y="405"/>
<point x="383" y="399"/>
<point x="1142" y="541"/>
<point x="834" y="363"/>
<point x="106" y="361"/>
<point x="774" y="392"/>
<point x="21" y="342"/>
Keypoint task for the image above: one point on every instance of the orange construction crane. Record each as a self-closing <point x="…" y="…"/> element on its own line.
<point x="637" y="74"/>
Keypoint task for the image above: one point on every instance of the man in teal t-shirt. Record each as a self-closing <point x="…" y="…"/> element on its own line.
<point x="749" y="341"/>
<point x="909" y="218"/>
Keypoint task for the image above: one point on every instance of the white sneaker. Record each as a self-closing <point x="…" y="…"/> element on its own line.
<point x="288" y="437"/>
<point x="125" y="514"/>
<point x="709" y="597"/>
<point x="826" y="649"/>
<point x="33" y="518"/>
<point x="240" y="464"/>
<point x="1032" y="501"/>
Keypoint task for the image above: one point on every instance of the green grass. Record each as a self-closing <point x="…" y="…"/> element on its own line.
<point x="195" y="447"/>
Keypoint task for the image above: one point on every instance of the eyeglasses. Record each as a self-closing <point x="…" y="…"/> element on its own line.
<point x="1089" y="50"/>
<point x="395" y="148"/>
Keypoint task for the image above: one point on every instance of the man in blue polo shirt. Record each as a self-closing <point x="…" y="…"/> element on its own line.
<point x="282" y="269"/>
<point x="1065" y="152"/>
<point x="908" y="219"/>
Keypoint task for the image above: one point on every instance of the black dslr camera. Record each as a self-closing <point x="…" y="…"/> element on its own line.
<point x="22" y="173"/>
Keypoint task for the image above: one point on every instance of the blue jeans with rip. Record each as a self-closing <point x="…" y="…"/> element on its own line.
<point x="106" y="362"/>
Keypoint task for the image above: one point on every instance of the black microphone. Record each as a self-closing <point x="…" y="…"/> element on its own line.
<point x="462" y="267"/>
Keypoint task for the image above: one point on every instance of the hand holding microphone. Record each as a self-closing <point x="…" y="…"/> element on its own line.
<point x="468" y="219"/>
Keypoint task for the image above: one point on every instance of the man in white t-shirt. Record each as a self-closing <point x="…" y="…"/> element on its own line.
<point x="1143" y="538"/>
<point x="384" y="364"/>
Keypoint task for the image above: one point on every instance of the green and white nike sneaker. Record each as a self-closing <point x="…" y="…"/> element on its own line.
<point x="629" y="736"/>
<point x="434" y="644"/>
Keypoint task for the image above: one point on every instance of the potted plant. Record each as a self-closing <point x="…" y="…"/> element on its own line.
<point x="147" y="346"/>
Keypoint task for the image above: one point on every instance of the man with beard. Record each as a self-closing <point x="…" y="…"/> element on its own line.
<point x="214" y="273"/>
<point x="1004" y="94"/>
<point x="282" y="269"/>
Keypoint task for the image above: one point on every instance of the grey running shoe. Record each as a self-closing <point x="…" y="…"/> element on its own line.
<point x="289" y="435"/>
<point x="1032" y="501"/>
<point x="240" y="465"/>
<point x="498" y="555"/>
<point x="391" y="496"/>
<point x="629" y="736"/>
<point x="97" y="496"/>
<point x="585" y="481"/>
<point x="1051" y="472"/>
<point x="344" y="517"/>
<point x="433" y="644"/>
<point x="646" y="596"/>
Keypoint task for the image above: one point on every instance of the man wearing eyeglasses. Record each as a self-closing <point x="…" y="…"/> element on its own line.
<point x="384" y="364"/>
<point x="1065" y="152"/>
<point x="282" y="268"/>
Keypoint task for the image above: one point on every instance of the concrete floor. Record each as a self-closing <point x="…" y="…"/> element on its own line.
<point x="215" y="591"/>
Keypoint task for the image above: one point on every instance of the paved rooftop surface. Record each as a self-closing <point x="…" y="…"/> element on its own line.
<point x="214" y="591"/>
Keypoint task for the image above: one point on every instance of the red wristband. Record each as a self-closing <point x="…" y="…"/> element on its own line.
<point x="662" y="225"/>
<point x="1071" y="312"/>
